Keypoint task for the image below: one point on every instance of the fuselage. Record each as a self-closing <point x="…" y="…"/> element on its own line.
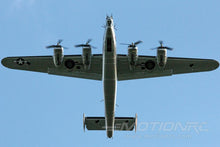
<point x="109" y="75"/>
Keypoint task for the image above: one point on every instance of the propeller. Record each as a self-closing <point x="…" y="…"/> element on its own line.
<point x="57" y="45"/>
<point x="162" y="47"/>
<point x="86" y="44"/>
<point x="133" y="44"/>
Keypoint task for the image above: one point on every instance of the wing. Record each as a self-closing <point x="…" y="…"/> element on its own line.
<point x="45" y="64"/>
<point x="142" y="69"/>
<point x="147" y="67"/>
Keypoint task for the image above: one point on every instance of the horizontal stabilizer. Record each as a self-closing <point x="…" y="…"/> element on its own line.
<point x="121" y="123"/>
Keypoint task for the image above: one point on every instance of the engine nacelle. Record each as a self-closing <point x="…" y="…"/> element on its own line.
<point x="86" y="57"/>
<point x="161" y="57"/>
<point x="132" y="56"/>
<point x="58" y="57"/>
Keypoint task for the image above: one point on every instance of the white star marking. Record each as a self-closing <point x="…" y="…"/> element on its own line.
<point x="20" y="61"/>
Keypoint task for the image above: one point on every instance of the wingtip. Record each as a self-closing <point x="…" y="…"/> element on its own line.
<point x="3" y="61"/>
<point x="6" y="62"/>
<point x="215" y="64"/>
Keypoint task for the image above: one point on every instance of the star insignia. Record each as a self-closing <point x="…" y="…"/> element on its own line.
<point x="20" y="61"/>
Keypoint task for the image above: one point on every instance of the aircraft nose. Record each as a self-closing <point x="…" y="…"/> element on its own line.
<point x="109" y="22"/>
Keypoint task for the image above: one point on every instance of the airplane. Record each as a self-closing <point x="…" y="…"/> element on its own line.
<point x="109" y="68"/>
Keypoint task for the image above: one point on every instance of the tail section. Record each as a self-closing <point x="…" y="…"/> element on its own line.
<point x="121" y="123"/>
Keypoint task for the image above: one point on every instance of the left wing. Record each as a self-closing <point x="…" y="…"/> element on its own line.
<point x="45" y="64"/>
<point x="147" y="67"/>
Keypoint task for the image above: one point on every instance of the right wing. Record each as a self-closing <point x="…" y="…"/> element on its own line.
<point x="175" y="65"/>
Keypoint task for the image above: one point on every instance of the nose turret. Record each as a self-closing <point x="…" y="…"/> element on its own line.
<point x="109" y="21"/>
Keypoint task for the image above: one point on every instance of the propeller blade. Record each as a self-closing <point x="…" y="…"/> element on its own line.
<point x="86" y="44"/>
<point x="161" y="42"/>
<point x="138" y="42"/>
<point x="57" y="45"/>
<point x="59" y="41"/>
<point x="168" y="48"/>
<point x="79" y="45"/>
<point x="52" y="46"/>
<point x="93" y="47"/>
<point x="162" y="47"/>
<point x="65" y="47"/>
<point x="132" y="44"/>
<point x="89" y="40"/>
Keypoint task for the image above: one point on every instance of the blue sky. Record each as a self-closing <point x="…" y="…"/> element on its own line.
<point x="40" y="110"/>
